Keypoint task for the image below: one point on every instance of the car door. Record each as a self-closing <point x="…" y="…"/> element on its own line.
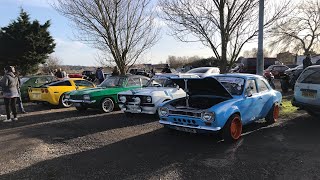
<point x="57" y="89"/>
<point x="250" y="105"/>
<point x="265" y="96"/>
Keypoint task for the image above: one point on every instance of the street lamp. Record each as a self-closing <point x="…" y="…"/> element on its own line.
<point x="260" y="59"/>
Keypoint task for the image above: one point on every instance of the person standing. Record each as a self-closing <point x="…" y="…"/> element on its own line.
<point x="100" y="75"/>
<point x="9" y="84"/>
<point x="307" y="61"/>
<point x="19" y="99"/>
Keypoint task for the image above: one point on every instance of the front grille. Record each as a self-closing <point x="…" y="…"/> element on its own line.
<point x="76" y="97"/>
<point x="130" y="98"/>
<point x="185" y="113"/>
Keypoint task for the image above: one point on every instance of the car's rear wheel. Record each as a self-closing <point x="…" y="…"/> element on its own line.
<point x="232" y="129"/>
<point x="63" y="102"/>
<point x="107" y="105"/>
<point x="273" y="114"/>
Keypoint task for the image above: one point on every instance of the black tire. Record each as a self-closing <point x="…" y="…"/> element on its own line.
<point x="232" y="130"/>
<point x="273" y="114"/>
<point x="81" y="108"/>
<point x="63" y="103"/>
<point x="107" y="105"/>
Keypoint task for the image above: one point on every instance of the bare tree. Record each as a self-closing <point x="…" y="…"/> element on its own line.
<point x="299" y="32"/>
<point x="122" y="29"/>
<point x="254" y="51"/>
<point x="51" y="64"/>
<point x="225" y="26"/>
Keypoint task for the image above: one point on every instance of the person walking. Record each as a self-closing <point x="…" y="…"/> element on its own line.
<point x="9" y="84"/>
<point x="307" y="61"/>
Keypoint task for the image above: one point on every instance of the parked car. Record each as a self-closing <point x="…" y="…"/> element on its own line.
<point x="307" y="90"/>
<point x="33" y="81"/>
<point x="250" y="64"/>
<point x="277" y="70"/>
<point x="75" y="75"/>
<point x="204" y="71"/>
<point x="54" y="92"/>
<point x="89" y="75"/>
<point x="221" y="103"/>
<point x="146" y="100"/>
<point x="289" y="78"/>
<point x="104" y="96"/>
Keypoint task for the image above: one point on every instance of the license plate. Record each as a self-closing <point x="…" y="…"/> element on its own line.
<point x="309" y="94"/>
<point x="186" y="130"/>
<point x="77" y="104"/>
<point x="36" y="96"/>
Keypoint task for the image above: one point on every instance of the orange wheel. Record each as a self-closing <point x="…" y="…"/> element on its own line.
<point x="236" y="128"/>
<point x="273" y="114"/>
<point x="276" y="111"/>
<point x="232" y="129"/>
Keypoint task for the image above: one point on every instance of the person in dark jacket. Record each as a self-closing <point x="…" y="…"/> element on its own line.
<point x="166" y="69"/>
<point x="307" y="61"/>
<point x="10" y="84"/>
<point x="100" y="75"/>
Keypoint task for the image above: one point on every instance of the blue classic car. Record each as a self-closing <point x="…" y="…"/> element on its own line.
<point x="221" y="103"/>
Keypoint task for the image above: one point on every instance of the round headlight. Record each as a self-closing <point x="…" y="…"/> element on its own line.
<point x="163" y="111"/>
<point x="122" y="99"/>
<point x="137" y="100"/>
<point x="149" y="99"/>
<point x="86" y="97"/>
<point x="207" y="116"/>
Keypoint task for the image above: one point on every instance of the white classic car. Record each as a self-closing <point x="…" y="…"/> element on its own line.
<point x="147" y="99"/>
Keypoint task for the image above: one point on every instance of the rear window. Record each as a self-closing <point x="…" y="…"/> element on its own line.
<point x="60" y="83"/>
<point x="310" y="76"/>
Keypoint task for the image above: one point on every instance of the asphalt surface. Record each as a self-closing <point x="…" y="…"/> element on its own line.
<point x="65" y="144"/>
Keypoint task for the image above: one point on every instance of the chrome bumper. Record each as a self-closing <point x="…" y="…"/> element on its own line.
<point x="81" y="101"/>
<point x="206" y="128"/>
<point x="137" y="109"/>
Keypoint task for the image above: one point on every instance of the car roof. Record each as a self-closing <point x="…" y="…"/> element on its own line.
<point x="314" y="67"/>
<point x="239" y="75"/>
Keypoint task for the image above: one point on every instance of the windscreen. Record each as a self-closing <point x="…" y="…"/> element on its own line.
<point x="310" y="76"/>
<point x="113" y="82"/>
<point x="234" y="85"/>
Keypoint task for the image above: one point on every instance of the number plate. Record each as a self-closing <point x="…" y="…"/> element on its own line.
<point x="309" y="94"/>
<point x="186" y="130"/>
<point x="36" y="96"/>
<point x="77" y="104"/>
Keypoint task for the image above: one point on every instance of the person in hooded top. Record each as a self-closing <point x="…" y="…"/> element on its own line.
<point x="10" y="84"/>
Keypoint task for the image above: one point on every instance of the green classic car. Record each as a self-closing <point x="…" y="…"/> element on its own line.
<point x="33" y="81"/>
<point x="104" y="96"/>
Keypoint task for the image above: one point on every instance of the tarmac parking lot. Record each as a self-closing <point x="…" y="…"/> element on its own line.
<point x="65" y="144"/>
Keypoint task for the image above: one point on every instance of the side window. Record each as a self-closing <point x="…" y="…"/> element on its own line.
<point x="61" y="83"/>
<point x="262" y="86"/>
<point x="133" y="82"/>
<point x="83" y="83"/>
<point x="144" y="81"/>
<point x="251" y="86"/>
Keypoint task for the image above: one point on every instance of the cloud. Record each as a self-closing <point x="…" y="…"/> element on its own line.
<point x="35" y="3"/>
<point x="75" y="52"/>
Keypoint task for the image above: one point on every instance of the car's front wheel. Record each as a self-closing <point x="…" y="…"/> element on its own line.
<point x="232" y="129"/>
<point x="107" y="105"/>
<point x="63" y="102"/>
<point x="273" y="114"/>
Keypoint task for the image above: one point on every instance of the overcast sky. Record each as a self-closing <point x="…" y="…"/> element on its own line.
<point x="73" y="52"/>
